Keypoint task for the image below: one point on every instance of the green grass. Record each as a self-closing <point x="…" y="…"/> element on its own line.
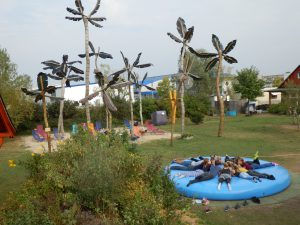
<point x="11" y="178"/>
<point x="243" y="136"/>
<point x="271" y="135"/>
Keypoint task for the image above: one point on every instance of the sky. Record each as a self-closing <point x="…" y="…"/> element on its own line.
<point x="267" y="32"/>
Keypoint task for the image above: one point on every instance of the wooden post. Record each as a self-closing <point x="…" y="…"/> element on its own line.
<point x="47" y="128"/>
<point x="173" y="100"/>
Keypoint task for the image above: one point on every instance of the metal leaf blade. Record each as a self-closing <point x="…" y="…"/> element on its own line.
<point x="94" y="23"/>
<point x="230" y="59"/>
<point x="54" y="77"/>
<point x="96" y="8"/>
<point x="79" y="5"/>
<point x="181" y="27"/>
<point x="108" y="102"/>
<point x="92" y="46"/>
<point x="89" y="97"/>
<point x="144" y="78"/>
<point x="211" y="64"/>
<point x="73" y="18"/>
<point x="76" y="70"/>
<point x="189" y="34"/>
<point x="172" y="36"/>
<point x="74" y="12"/>
<point x="216" y="42"/>
<point x="202" y="54"/>
<point x="136" y="62"/>
<point x="104" y="55"/>
<point x="144" y="65"/>
<point x="229" y="47"/>
<point x="149" y="88"/>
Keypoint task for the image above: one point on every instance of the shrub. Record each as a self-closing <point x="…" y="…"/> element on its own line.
<point x="280" y="108"/>
<point x="97" y="176"/>
<point x="196" y="117"/>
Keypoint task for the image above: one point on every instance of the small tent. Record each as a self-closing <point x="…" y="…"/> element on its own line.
<point x="7" y="128"/>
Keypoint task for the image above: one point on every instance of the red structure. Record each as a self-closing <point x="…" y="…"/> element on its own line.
<point x="7" y="129"/>
<point x="294" y="78"/>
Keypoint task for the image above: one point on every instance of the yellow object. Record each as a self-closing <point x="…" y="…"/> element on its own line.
<point x="32" y="154"/>
<point x="173" y="98"/>
<point x="256" y="155"/>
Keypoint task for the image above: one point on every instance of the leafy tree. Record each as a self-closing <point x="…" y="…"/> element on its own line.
<point x="248" y="84"/>
<point x="218" y="58"/>
<point x="277" y="81"/>
<point x="19" y="107"/>
<point x="90" y="18"/>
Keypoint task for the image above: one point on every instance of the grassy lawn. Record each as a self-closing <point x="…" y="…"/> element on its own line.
<point x="11" y="178"/>
<point x="275" y="138"/>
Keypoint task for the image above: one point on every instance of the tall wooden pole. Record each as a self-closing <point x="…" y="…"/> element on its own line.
<point x="47" y="128"/>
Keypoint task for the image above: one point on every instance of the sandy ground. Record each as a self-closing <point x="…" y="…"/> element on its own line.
<point x="39" y="147"/>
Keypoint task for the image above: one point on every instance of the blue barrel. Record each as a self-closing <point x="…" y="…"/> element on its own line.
<point x="231" y="113"/>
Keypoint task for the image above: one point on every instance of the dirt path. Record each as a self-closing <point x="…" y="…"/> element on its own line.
<point x="32" y="145"/>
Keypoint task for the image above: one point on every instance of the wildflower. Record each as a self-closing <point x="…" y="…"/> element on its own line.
<point x="32" y="154"/>
<point x="11" y="163"/>
<point x="42" y="154"/>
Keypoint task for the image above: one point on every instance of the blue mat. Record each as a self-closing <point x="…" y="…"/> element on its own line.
<point x="241" y="188"/>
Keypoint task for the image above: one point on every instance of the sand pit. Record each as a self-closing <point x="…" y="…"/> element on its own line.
<point x="39" y="147"/>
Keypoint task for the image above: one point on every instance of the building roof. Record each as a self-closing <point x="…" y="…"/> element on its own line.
<point x="290" y="77"/>
<point x="7" y="128"/>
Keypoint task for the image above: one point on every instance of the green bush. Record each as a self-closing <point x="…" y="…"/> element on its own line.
<point x="97" y="176"/>
<point x="196" y="117"/>
<point x="280" y="108"/>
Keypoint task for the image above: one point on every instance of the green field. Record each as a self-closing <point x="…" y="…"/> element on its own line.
<point x="276" y="139"/>
<point x="274" y="136"/>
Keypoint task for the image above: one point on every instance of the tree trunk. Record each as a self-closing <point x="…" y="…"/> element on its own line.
<point x="131" y="110"/>
<point x="141" y="108"/>
<point x="220" y="99"/>
<point x="87" y="69"/>
<point x="47" y="129"/>
<point x="107" y="119"/>
<point x="181" y="91"/>
<point x="60" y="126"/>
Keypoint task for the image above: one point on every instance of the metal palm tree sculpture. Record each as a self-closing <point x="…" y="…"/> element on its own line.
<point x="62" y="72"/>
<point x="40" y="94"/>
<point x="99" y="75"/>
<point x="217" y="58"/>
<point x="132" y="79"/>
<point x="110" y="107"/>
<point x="79" y="15"/>
<point x="139" y="86"/>
<point x="186" y="36"/>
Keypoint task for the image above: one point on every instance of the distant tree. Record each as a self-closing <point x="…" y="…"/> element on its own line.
<point x="86" y="18"/>
<point x="19" y="106"/>
<point x="277" y="81"/>
<point x="248" y="84"/>
<point x="164" y="87"/>
<point x="218" y="58"/>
